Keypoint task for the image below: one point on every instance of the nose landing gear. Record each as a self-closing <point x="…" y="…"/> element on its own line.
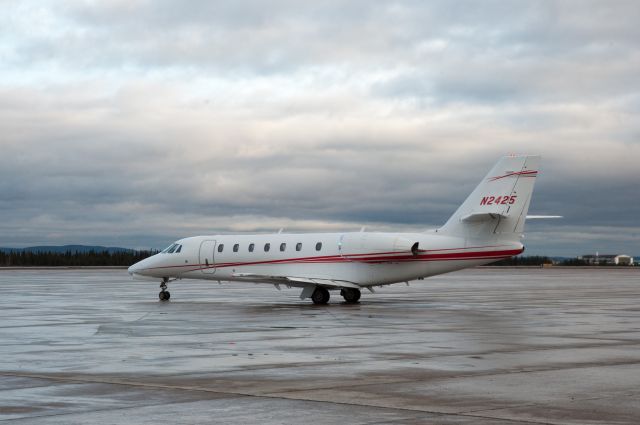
<point x="164" y="295"/>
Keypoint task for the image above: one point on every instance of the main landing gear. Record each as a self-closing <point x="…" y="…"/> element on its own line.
<point x="320" y="296"/>
<point x="350" y="295"/>
<point x="164" y="295"/>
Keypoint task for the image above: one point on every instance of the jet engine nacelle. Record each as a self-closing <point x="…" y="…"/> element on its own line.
<point x="356" y="246"/>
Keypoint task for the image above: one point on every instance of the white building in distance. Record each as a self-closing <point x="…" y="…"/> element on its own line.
<point x="608" y="260"/>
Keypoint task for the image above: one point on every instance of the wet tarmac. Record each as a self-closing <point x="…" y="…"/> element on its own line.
<point x="482" y="346"/>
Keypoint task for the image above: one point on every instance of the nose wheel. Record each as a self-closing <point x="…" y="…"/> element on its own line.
<point x="164" y="295"/>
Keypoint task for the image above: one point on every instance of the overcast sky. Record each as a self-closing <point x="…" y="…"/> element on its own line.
<point x="133" y="123"/>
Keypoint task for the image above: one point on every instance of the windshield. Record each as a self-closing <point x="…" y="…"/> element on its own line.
<point x="174" y="247"/>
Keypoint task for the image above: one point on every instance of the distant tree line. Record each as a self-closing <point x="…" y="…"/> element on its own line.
<point x="71" y="259"/>
<point x="575" y="262"/>
<point x="536" y="260"/>
<point x="532" y="260"/>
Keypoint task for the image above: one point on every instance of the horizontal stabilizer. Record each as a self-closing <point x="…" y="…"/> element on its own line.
<point x="481" y="216"/>
<point x="535" y="217"/>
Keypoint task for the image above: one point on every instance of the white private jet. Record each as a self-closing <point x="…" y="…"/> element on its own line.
<point x="487" y="227"/>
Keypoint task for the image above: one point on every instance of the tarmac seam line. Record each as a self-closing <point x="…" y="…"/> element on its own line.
<point x="239" y="394"/>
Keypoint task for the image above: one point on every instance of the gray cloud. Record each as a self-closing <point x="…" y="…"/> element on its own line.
<point x="134" y="123"/>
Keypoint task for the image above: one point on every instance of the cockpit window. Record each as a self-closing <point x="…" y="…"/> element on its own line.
<point x="170" y="248"/>
<point x="174" y="248"/>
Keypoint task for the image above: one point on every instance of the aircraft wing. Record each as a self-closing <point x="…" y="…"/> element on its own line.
<point x="327" y="283"/>
<point x="303" y="282"/>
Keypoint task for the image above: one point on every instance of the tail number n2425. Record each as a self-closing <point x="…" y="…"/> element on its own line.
<point x="498" y="200"/>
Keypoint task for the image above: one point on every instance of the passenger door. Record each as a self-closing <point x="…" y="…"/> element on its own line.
<point x="207" y="248"/>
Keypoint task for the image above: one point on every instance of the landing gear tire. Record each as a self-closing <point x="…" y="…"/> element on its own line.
<point x="350" y="295"/>
<point x="164" y="295"/>
<point x="320" y="296"/>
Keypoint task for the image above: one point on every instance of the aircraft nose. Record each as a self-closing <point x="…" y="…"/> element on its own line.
<point x="141" y="267"/>
<point x="134" y="269"/>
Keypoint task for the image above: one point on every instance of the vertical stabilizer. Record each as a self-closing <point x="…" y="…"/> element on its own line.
<point x="498" y="206"/>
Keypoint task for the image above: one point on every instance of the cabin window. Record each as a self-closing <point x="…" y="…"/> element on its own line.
<point x="267" y="247"/>
<point x="283" y="246"/>
<point x="236" y="247"/>
<point x="318" y="246"/>
<point x="220" y="247"/>
<point x="298" y="246"/>
<point x="251" y="246"/>
<point x="178" y="249"/>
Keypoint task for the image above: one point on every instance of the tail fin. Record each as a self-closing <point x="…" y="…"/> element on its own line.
<point x="498" y="207"/>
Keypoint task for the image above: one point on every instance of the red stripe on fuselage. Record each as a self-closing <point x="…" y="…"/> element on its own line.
<point x="371" y="259"/>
